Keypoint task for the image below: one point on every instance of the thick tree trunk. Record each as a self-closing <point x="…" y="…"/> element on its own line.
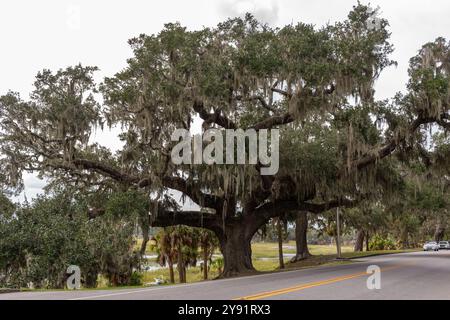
<point x="359" y="243"/>
<point x="280" y="243"/>
<point x="301" y="230"/>
<point x="235" y="245"/>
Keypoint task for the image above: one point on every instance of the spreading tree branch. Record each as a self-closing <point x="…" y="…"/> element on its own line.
<point x="165" y="218"/>
<point x="216" y="118"/>
<point x="379" y="153"/>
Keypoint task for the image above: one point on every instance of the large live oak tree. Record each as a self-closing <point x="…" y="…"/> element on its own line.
<point x="314" y="84"/>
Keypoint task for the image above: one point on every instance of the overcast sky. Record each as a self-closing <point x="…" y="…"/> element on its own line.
<point x="57" y="33"/>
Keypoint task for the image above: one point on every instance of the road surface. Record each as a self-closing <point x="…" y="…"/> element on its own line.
<point x="414" y="275"/>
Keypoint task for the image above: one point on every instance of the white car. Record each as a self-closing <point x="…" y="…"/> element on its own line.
<point x="444" y="245"/>
<point x="431" y="245"/>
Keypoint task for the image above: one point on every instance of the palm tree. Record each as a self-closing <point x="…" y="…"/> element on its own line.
<point x="208" y="243"/>
<point x="166" y="251"/>
<point x="177" y="244"/>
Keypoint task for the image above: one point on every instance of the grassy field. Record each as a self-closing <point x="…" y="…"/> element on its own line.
<point x="265" y="259"/>
<point x="270" y="249"/>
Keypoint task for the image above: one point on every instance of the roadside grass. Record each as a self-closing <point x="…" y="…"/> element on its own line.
<point x="330" y="259"/>
<point x="270" y="249"/>
<point x="352" y="255"/>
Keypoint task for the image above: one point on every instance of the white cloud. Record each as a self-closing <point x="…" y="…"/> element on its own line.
<point x="33" y="187"/>
<point x="264" y="10"/>
<point x="33" y="182"/>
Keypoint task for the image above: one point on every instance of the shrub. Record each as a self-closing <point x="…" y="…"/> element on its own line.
<point x="217" y="264"/>
<point x="380" y="243"/>
<point x="136" y="278"/>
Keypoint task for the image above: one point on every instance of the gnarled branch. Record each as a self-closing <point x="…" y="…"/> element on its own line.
<point x="216" y="117"/>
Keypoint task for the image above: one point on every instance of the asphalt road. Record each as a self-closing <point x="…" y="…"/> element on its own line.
<point x="415" y="275"/>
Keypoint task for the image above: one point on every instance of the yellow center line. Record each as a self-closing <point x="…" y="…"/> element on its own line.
<point x="304" y="286"/>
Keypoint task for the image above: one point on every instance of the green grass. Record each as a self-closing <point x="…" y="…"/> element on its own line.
<point x="351" y="255"/>
<point x="270" y="249"/>
<point x="321" y="254"/>
<point x="330" y="259"/>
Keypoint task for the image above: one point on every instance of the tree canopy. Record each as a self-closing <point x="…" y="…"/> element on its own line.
<point x="315" y="84"/>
